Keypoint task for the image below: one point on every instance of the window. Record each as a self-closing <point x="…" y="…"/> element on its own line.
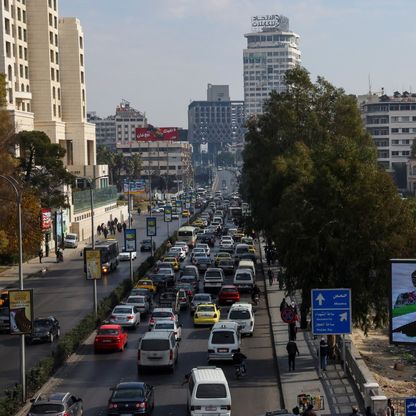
<point x="80" y="42"/>
<point x="21" y="70"/>
<point x="51" y="38"/>
<point x="55" y="22"/>
<point x="26" y="72"/>
<point x="81" y="59"/>
<point x="52" y="56"/>
<point x="6" y="4"/>
<point x="405" y="130"/>
<point x="25" y="51"/>
<point x="53" y="92"/>
<point x="57" y="57"/>
<point x="211" y="391"/>
<point x="56" y="40"/>
<point x="8" y="49"/>
<point x="57" y="75"/>
<point x="82" y="77"/>
<point x="25" y="35"/>
<point x="7" y="26"/>
<point x="83" y="95"/>
<point x="20" y="52"/>
<point x="59" y="110"/>
<point x="54" y="5"/>
<point x="395" y="130"/>
<point x="19" y="14"/>
<point x="50" y="19"/>
<point x="50" y="3"/>
<point x="54" y="110"/>
<point x="52" y="74"/>
<point x="19" y="32"/>
<point x="24" y="16"/>
<point x="59" y="93"/>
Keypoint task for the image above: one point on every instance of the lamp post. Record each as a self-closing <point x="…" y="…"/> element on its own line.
<point x="15" y="185"/>
<point x="129" y="214"/>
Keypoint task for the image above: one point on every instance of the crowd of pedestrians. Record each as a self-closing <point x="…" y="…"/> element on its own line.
<point x="111" y="227"/>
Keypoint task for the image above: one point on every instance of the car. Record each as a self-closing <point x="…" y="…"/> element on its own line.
<point x="244" y="279"/>
<point x="228" y="294"/>
<point x="147" y="244"/>
<point x="190" y="270"/>
<point x="71" y="240"/>
<point x="200" y="298"/>
<point x="243" y="314"/>
<point x="110" y="337"/>
<point x="227" y="265"/>
<point x="125" y="315"/>
<point x="162" y="313"/>
<point x="199" y="223"/>
<point x="170" y="299"/>
<point x="158" y="210"/>
<point x="142" y="291"/>
<point x="220" y="256"/>
<point x="184" y="293"/>
<point x="203" y="262"/>
<point x="177" y="252"/>
<point x="141" y="302"/>
<point x="146" y="284"/>
<point x="45" y="329"/>
<point x="131" y="398"/>
<point x="206" y="314"/>
<point x="173" y="261"/>
<point x="4" y="319"/>
<point x="213" y="278"/>
<point x="186" y="213"/>
<point x="191" y="281"/>
<point x="169" y="273"/>
<point x="163" y="265"/>
<point x="227" y="246"/>
<point x="183" y="244"/>
<point x="197" y="250"/>
<point x="204" y="246"/>
<point x="170" y="326"/>
<point x="125" y="255"/>
<point x="207" y="238"/>
<point x="56" y="404"/>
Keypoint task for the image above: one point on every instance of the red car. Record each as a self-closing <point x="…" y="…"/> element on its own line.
<point x="110" y="337"/>
<point x="228" y="294"/>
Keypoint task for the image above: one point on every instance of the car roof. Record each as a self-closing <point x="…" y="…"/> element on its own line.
<point x="130" y="384"/>
<point x="57" y="397"/>
<point x="242" y="305"/>
<point x="208" y="374"/>
<point x="225" y="325"/>
<point x="157" y="335"/>
<point x="206" y="304"/>
<point x="162" y="310"/>
<point x="165" y="321"/>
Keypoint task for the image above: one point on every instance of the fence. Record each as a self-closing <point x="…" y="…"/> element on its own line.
<point x="102" y="196"/>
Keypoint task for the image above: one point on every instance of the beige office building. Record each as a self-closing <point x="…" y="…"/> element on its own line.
<point x="43" y="58"/>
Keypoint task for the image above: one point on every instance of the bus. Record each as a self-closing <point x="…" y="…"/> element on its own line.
<point x="235" y="213"/>
<point x="109" y="255"/>
<point x="187" y="234"/>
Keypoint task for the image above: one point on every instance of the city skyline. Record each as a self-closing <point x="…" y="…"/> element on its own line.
<point x="167" y="51"/>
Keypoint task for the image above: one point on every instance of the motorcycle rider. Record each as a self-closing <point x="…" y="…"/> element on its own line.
<point x="255" y="292"/>
<point x="239" y="359"/>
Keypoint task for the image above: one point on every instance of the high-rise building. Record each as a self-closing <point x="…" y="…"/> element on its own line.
<point x="391" y="121"/>
<point x="105" y="130"/>
<point x="43" y="58"/>
<point x="216" y="123"/>
<point x="127" y="121"/>
<point x="272" y="49"/>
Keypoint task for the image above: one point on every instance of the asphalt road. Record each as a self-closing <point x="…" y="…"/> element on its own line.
<point x="68" y="296"/>
<point x="91" y="375"/>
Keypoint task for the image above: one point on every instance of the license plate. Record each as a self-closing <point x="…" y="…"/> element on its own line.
<point x="222" y="349"/>
<point x="107" y="340"/>
<point x="210" y="408"/>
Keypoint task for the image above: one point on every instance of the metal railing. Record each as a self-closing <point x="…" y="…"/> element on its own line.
<point x="102" y="196"/>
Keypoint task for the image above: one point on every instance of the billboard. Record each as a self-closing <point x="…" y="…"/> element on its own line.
<point x="93" y="262"/>
<point x="151" y="226"/>
<point x="153" y="134"/>
<point x="136" y="187"/>
<point x="21" y="311"/>
<point x="130" y="240"/>
<point x="403" y="301"/>
<point x="46" y="219"/>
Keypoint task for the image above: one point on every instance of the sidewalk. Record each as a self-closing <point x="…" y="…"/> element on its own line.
<point x="338" y="390"/>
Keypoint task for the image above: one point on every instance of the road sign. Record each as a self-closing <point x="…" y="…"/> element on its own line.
<point x="130" y="240"/>
<point x="331" y="311"/>
<point x="410" y="406"/>
<point x="167" y="213"/>
<point x="288" y="315"/>
<point x="151" y="226"/>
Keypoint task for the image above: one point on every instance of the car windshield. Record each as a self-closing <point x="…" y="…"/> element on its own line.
<point x="155" y="345"/>
<point x="108" y="331"/>
<point x="229" y="289"/>
<point x="165" y="325"/>
<point x="211" y="391"/>
<point x="128" y="394"/>
<point x="206" y="308"/>
<point x="202" y="298"/>
<point x="213" y="273"/>
<point x="42" y="323"/>
<point x="70" y="237"/>
<point x="122" y="310"/>
<point x="161" y="314"/>
<point x="239" y="314"/>
<point x="223" y="337"/>
<point x="134" y="299"/>
<point x="45" y="408"/>
<point x="243" y="276"/>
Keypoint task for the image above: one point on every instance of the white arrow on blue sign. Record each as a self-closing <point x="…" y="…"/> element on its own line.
<point x="331" y="311"/>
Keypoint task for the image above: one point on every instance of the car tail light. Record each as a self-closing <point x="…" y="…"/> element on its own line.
<point x="172" y="318"/>
<point x="141" y="405"/>
<point x="227" y="407"/>
<point x="112" y="317"/>
<point x="66" y="414"/>
<point x="151" y="321"/>
<point x="130" y="317"/>
<point x="112" y="405"/>
<point x="170" y="354"/>
<point x="118" y="339"/>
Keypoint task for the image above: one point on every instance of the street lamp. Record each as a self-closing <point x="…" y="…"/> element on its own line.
<point x="18" y="191"/>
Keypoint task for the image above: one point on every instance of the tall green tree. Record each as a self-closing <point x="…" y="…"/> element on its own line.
<point x="42" y="167"/>
<point x="133" y="165"/>
<point x="311" y="175"/>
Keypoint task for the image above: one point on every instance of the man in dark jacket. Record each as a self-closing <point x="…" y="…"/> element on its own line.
<point x="323" y="353"/>
<point x="292" y="349"/>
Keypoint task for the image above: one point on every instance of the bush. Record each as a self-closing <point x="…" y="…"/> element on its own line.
<point x="69" y="343"/>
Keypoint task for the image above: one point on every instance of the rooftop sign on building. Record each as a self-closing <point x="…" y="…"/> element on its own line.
<point x="269" y="22"/>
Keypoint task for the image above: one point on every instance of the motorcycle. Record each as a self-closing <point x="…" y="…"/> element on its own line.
<point x="255" y="298"/>
<point x="240" y="371"/>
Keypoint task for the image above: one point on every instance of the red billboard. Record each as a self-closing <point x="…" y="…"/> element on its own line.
<point x="153" y="134"/>
<point x="46" y="219"/>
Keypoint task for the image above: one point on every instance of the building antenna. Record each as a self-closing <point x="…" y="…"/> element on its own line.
<point x="369" y="84"/>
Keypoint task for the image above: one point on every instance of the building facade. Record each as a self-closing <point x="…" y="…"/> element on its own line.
<point x="272" y="49"/>
<point x="105" y="130"/>
<point x="215" y="124"/>
<point x="43" y="58"/>
<point x="391" y="121"/>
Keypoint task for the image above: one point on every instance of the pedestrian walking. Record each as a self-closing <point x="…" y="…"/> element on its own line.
<point x="355" y="411"/>
<point x="309" y="411"/>
<point x="292" y="331"/>
<point x="40" y="255"/>
<point x="390" y="411"/>
<point x="280" y="278"/>
<point x="270" y="276"/>
<point x="292" y="350"/>
<point x="283" y="305"/>
<point x="139" y="210"/>
<point x="268" y="256"/>
<point x="323" y="353"/>
<point x="105" y="232"/>
<point x="296" y="410"/>
<point x="124" y="225"/>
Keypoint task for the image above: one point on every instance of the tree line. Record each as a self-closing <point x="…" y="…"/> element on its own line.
<point x="311" y="176"/>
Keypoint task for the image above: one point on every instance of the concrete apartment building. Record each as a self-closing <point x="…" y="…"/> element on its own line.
<point x="391" y="121"/>
<point x="271" y="50"/>
<point x="215" y="124"/>
<point x="105" y="130"/>
<point x="43" y="57"/>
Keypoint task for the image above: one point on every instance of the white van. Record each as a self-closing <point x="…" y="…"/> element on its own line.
<point x="247" y="264"/>
<point x="239" y="250"/>
<point x="157" y="349"/>
<point x="242" y="313"/>
<point x="243" y="279"/>
<point x="208" y="392"/>
<point x="224" y="340"/>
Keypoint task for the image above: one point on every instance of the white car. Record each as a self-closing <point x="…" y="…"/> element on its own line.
<point x="125" y="315"/>
<point x="125" y="256"/>
<point x="71" y="240"/>
<point x="170" y="326"/>
<point x="205" y="247"/>
<point x="177" y="251"/>
<point x="183" y="244"/>
<point x="199" y="250"/>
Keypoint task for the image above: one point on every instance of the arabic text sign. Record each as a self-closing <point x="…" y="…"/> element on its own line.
<point x="271" y="21"/>
<point x="130" y="240"/>
<point x="134" y="187"/>
<point x="331" y="311"/>
<point x="151" y="226"/>
<point x="21" y="311"/>
<point x="168" y="213"/>
<point x="410" y="406"/>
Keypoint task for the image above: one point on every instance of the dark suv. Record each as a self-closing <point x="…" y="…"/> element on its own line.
<point x="56" y="404"/>
<point x="146" y="245"/>
<point x="44" y="329"/>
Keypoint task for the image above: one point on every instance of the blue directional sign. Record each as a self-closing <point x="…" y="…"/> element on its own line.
<point x="410" y="406"/>
<point x="331" y="311"/>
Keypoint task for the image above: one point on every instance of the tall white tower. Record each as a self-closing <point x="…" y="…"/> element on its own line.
<point x="271" y="50"/>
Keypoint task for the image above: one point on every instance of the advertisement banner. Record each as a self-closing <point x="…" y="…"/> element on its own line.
<point x="403" y="301"/>
<point x="174" y="209"/>
<point x="168" y="213"/>
<point x="151" y="226"/>
<point x="21" y="311"/>
<point x="154" y="134"/>
<point x="130" y="240"/>
<point x="410" y="406"/>
<point x="46" y="219"/>
<point x="93" y="262"/>
<point x="179" y="206"/>
<point x="137" y="187"/>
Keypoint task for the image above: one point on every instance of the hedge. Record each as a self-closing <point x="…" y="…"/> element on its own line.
<point x="45" y="368"/>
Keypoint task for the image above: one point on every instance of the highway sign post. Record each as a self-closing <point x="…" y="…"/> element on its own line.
<point x="331" y="313"/>
<point x="410" y="406"/>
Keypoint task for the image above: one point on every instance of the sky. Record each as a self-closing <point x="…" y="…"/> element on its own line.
<point x="160" y="54"/>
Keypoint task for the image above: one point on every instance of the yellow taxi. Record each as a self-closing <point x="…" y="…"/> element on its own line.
<point x="221" y="256"/>
<point x="186" y="213"/>
<point x="146" y="284"/>
<point x="238" y="236"/>
<point x="198" y="223"/>
<point x="206" y="314"/>
<point x="173" y="261"/>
